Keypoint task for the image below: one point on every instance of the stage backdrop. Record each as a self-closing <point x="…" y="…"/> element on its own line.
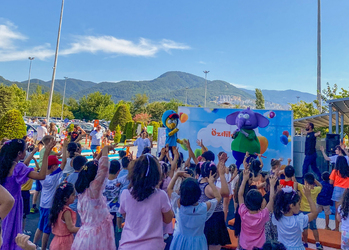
<point x="210" y="126"/>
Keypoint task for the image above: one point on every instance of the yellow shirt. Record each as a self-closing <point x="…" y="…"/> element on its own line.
<point x="305" y="207"/>
<point x="28" y="185"/>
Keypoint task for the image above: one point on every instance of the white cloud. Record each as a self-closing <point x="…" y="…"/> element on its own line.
<point x="242" y="86"/>
<point x="202" y="62"/>
<point x="82" y="44"/>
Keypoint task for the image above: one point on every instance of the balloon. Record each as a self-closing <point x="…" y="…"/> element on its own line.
<point x="284" y="139"/>
<point x="272" y="114"/>
<point x="286" y="133"/>
<point x="183" y="118"/>
<point x="289" y="138"/>
<point x="197" y="152"/>
<point x="264" y="143"/>
<point x="184" y="147"/>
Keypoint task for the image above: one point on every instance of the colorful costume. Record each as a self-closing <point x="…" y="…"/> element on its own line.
<point x="170" y="121"/>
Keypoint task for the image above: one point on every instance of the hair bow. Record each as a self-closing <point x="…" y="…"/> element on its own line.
<point x="85" y="168"/>
<point x="63" y="186"/>
<point x="288" y="190"/>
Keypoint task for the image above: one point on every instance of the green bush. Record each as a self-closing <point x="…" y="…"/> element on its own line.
<point x="123" y="138"/>
<point x="121" y="117"/>
<point x="129" y="130"/>
<point x="155" y="125"/>
<point x="12" y="125"/>
<point x="117" y="135"/>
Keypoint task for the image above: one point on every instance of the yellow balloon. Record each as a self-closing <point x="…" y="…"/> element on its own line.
<point x="289" y="138"/>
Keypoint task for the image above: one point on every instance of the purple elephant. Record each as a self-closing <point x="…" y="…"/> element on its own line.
<point x="245" y="139"/>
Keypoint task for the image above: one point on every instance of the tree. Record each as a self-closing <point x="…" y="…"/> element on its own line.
<point x="260" y="103"/>
<point x="12" y="97"/>
<point x="303" y="109"/>
<point x="12" y="125"/>
<point x="139" y="103"/>
<point x="155" y="125"/>
<point x="117" y="136"/>
<point x="173" y="104"/>
<point x="142" y="117"/>
<point x="129" y="130"/>
<point x="121" y="117"/>
<point x="156" y="109"/>
<point x="93" y="106"/>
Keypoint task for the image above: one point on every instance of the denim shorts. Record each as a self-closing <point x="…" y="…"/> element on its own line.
<point x="311" y="224"/>
<point x="337" y="194"/>
<point x="44" y="221"/>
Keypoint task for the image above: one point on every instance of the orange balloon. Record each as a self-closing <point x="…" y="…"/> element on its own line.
<point x="264" y="143"/>
<point x="184" y="117"/>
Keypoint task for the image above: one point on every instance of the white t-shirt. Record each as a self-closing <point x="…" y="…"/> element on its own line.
<point x="96" y="137"/>
<point x="111" y="192"/>
<point x="41" y="132"/>
<point x="141" y="143"/>
<point x="345" y="223"/>
<point x="49" y="186"/>
<point x="334" y="158"/>
<point x="68" y="168"/>
<point x="227" y="178"/>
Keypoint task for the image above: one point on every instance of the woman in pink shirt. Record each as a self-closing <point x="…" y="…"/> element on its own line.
<point x="144" y="206"/>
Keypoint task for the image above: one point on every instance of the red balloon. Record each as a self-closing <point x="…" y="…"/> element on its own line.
<point x="286" y="133"/>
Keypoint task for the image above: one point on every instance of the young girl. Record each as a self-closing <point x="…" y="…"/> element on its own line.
<point x="253" y="217"/>
<point x="340" y="180"/>
<point x="191" y="215"/>
<point x="63" y="218"/>
<point x="72" y="150"/>
<point x="342" y="216"/>
<point x="215" y="228"/>
<point x="97" y="230"/>
<point x="13" y="175"/>
<point x="290" y="223"/>
<point x="271" y="233"/>
<point x="144" y="207"/>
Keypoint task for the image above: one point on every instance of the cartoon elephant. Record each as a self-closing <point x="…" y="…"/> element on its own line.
<point x="245" y="139"/>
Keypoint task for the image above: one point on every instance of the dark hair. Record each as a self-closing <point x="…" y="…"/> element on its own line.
<point x="237" y="187"/>
<point x="72" y="148"/>
<point x="192" y="167"/>
<point x="264" y="174"/>
<point x="267" y="185"/>
<point x="79" y="145"/>
<point x="274" y="163"/>
<point x="114" y="167"/>
<point x="62" y="194"/>
<point x="144" y="176"/>
<point x="124" y="162"/>
<point x="325" y="176"/>
<point x="208" y="155"/>
<point x="78" y="162"/>
<point x="207" y="168"/>
<point x="345" y="205"/>
<point x="164" y="170"/>
<point x="190" y="192"/>
<point x="340" y="149"/>
<point x="255" y="167"/>
<point x="8" y="153"/>
<point x="253" y="200"/>
<point x="190" y="172"/>
<point x="289" y="171"/>
<point x="146" y="150"/>
<point x="273" y="245"/>
<point x="87" y="174"/>
<point x="283" y="201"/>
<point x="198" y="169"/>
<point x="122" y="153"/>
<point x="309" y="178"/>
<point x="232" y="168"/>
<point x="342" y="166"/>
<point x="311" y="125"/>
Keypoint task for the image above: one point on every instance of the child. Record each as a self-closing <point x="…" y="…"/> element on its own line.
<point x="309" y="180"/>
<point x="13" y="174"/>
<point x="275" y="167"/>
<point x="96" y="231"/>
<point x="324" y="201"/>
<point x="68" y="169"/>
<point x="165" y="177"/>
<point x="49" y="185"/>
<point x="342" y="216"/>
<point x="289" y="180"/>
<point x="290" y="223"/>
<point x="271" y="233"/>
<point x="191" y="215"/>
<point x="261" y="183"/>
<point x="111" y="191"/>
<point x="253" y="219"/>
<point x="63" y="218"/>
<point x="145" y="207"/>
<point x="340" y="180"/>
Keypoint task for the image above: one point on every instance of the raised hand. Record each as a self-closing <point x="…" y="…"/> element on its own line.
<point x="246" y="174"/>
<point x="211" y="178"/>
<point x="199" y="142"/>
<point x="273" y="179"/>
<point x="223" y="158"/>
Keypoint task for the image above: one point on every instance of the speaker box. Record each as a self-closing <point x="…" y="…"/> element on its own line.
<point x="332" y="140"/>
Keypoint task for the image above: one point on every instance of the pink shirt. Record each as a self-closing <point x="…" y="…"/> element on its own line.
<point x="143" y="224"/>
<point x="252" y="228"/>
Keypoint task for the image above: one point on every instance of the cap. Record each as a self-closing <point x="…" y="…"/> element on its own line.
<point x="53" y="160"/>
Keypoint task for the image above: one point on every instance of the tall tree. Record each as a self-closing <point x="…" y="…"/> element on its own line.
<point x="12" y="97"/>
<point x="156" y="109"/>
<point x="303" y="109"/>
<point x="121" y="117"/>
<point x="139" y="103"/>
<point x="260" y="103"/>
<point x="93" y="106"/>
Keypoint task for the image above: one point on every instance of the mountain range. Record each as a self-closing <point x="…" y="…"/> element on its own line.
<point x="173" y="84"/>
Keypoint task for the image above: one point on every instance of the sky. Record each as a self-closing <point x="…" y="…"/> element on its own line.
<point x="269" y="44"/>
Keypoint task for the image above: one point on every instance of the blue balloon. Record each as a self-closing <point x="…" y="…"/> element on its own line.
<point x="284" y="139"/>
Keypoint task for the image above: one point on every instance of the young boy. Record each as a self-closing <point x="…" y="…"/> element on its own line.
<point x="289" y="180"/>
<point x="324" y="201"/>
<point x="310" y="180"/>
<point x="49" y="186"/>
<point x="111" y="191"/>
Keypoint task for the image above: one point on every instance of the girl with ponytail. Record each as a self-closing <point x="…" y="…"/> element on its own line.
<point x="72" y="150"/>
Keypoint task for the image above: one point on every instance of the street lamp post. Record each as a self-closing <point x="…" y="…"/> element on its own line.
<point x="65" y="85"/>
<point x="30" y="68"/>
<point x="319" y="55"/>
<point x="205" y="71"/>
<point x="55" y="65"/>
<point x="186" y="96"/>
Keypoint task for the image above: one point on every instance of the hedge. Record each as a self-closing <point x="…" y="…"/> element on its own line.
<point x="12" y="125"/>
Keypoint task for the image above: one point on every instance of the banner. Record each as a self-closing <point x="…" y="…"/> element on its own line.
<point x="273" y="136"/>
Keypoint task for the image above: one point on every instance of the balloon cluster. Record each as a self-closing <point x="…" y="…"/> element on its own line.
<point x="285" y="138"/>
<point x="270" y="114"/>
<point x="183" y="117"/>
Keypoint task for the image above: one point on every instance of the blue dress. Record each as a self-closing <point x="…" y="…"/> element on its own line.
<point x="190" y="224"/>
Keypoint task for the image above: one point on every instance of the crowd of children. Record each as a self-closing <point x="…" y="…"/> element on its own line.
<point x="83" y="203"/>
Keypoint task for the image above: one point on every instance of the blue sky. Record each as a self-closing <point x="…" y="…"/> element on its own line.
<point x="269" y="44"/>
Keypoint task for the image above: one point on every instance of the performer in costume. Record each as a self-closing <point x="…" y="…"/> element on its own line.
<point x="170" y="121"/>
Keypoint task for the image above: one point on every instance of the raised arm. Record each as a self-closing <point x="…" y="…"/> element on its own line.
<point x="324" y="154"/>
<point x="317" y="183"/>
<point x="31" y="156"/>
<point x="246" y="176"/>
<point x="191" y="153"/>
<point x="260" y="159"/>
<point x="64" y="157"/>
<point x="42" y="174"/>
<point x="215" y="191"/>
<point x="200" y="144"/>
<point x="174" y="162"/>
<point x="221" y="170"/>
<point x="245" y="163"/>
<point x="173" y="181"/>
<point x="313" y="211"/>
<point x="270" y="205"/>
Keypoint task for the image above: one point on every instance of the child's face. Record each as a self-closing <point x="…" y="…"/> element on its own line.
<point x="71" y="198"/>
<point x="295" y="208"/>
<point x="306" y="183"/>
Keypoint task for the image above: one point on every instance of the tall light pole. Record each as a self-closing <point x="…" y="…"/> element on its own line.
<point x="298" y="99"/>
<point x="319" y="55"/>
<point x="186" y="96"/>
<point x="55" y="65"/>
<point x="30" y="68"/>
<point x="205" y="71"/>
<point x="65" y="85"/>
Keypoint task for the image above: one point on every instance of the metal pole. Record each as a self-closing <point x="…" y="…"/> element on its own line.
<point x="30" y="68"/>
<point x="65" y="85"/>
<point x="337" y="122"/>
<point x="55" y="66"/>
<point x="319" y="56"/>
<point x="205" y="71"/>
<point x="330" y="118"/>
<point x="186" y="96"/>
<point x="342" y="127"/>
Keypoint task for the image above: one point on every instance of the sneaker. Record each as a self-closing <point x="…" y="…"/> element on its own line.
<point x="34" y="210"/>
<point x="305" y="245"/>
<point x="318" y="246"/>
<point x="27" y="232"/>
